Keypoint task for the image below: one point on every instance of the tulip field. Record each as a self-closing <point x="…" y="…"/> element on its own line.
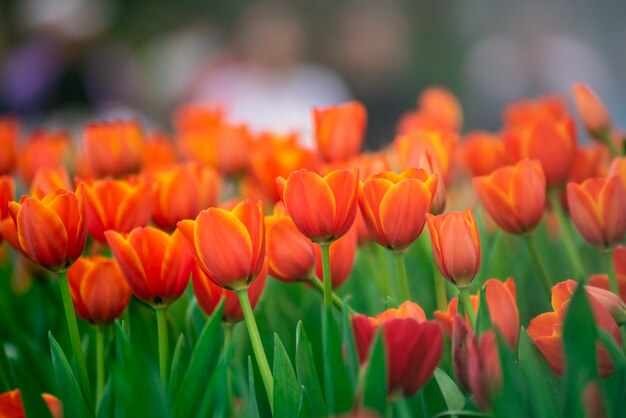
<point x="215" y="271"/>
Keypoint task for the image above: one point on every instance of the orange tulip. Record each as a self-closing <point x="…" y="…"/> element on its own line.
<point x="7" y="191"/>
<point x="51" y="231"/>
<point x="182" y="192"/>
<point x="198" y="118"/>
<point x="229" y="246"/>
<point x="342" y="256"/>
<point x="159" y="152"/>
<point x="563" y="291"/>
<point x="394" y="206"/>
<point x="592" y="111"/>
<point x="587" y="163"/>
<point x="113" y="148"/>
<point x="9" y="132"/>
<point x="514" y="196"/>
<point x="99" y="292"/>
<point x="409" y="149"/>
<point x="522" y="112"/>
<point x="118" y="205"/>
<point x="49" y="179"/>
<point x="11" y="405"/>
<point x="481" y="153"/>
<point x="339" y="130"/>
<point x="598" y="209"/>
<point x="501" y="301"/>
<point x="413" y="345"/>
<point x="155" y="265"/>
<point x="42" y="149"/>
<point x="275" y="156"/>
<point x="456" y="246"/>
<point x="550" y="141"/>
<point x="209" y="294"/>
<point x="545" y="330"/>
<point x="291" y="255"/>
<point x="618" y="168"/>
<point x="440" y="104"/>
<point x="602" y="280"/>
<point x="429" y="164"/>
<point x="323" y="208"/>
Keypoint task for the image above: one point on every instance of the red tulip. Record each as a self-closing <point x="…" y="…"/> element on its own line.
<point x="99" y="292"/>
<point x="456" y="246"/>
<point x="413" y="345"/>
<point x="118" y="205"/>
<point x="483" y="367"/>
<point x="229" y="246"/>
<point x="598" y="209"/>
<point x="155" y="265"/>
<point x="339" y="130"/>
<point x="51" y="231"/>
<point x="394" y="206"/>
<point x="7" y="192"/>
<point x="323" y="208"/>
<point x="209" y="294"/>
<point x="514" y="196"/>
<point x="9" y="132"/>
<point x="618" y="168"/>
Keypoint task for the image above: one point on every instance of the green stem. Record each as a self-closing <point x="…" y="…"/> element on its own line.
<point x="228" y="337"/>
<point x="257" y="346"/>
<point x="327" y="316"/>
<point x="566" y="233"/>
<point x="610" y="266"/>
<point x="466" y="305"/>
<point x="317" y="285"/>
<point x="161" y="314"/>
<point x="605" y="138"/>
<point x="328" y="283"/>
<point x="440" y="290"/>
<point x="99" y="365"/>
<point x="398" y="258"/>
<point x="77" y="350"/>
<point x="378" y="258"/>
<point x="543" y="271"/>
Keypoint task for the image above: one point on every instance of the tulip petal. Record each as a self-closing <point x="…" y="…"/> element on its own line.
<point x="344" y="185"/>
<point x="370" y="195"/>
<point x="503" y="310"/>
<point x="129" y="264"/>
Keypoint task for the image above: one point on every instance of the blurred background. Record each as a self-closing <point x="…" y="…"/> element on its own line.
<point x="269" y="62"/>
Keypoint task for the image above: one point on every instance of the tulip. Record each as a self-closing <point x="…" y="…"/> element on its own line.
<point x="209" y="294"/>
<point x="198" y="118"/>
<point x="545" y="330"/>
<point x="484" y="372"/>
<point x="155" y="265"/>
<point x="514" y="196"/>
<point x="456" y="246"/>
<point x="342" y="257"/>
<point x="598" y="209"/>
<point x="442" y="105"/>
<point x="117" y="205"/>
<point x="429" y="164"/>
<point x="42" y="149"/>
<point x="113" y="148"/>
<point x="587" y="164"/>
<point x="592" y="111"/>
<point x="229" y="246"/>
<point x="501" y="301"/>
<point x="99" y="292"/>
<point x="51" y="231"/>
<point x="12" y="406"/>
<point x="9" y="132"/>
<point x="619" y="266"/>
<point x="618" y="168"/>
<point x="291" y="255"/>
<point x="182" y="192"/>
<point x="550" y="141"/>
<point x="481" y="153"/>
<point x="339" y="130"/>
<point x="522" y="112"/>
<point x="275" y="156"/>
<point x="159" y="152"/>
<point x="49" y="179"/>
<point x="413" y="346"/>
<point x="394" y="206"/>
<point x="7" y="191"/>
<point x="323" y="208"/>
<point x="409" y="149"/>
<point x="563" y="291"/>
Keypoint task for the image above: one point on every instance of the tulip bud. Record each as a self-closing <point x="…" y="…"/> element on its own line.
<point x="592" y="111"/>
<point x="339" y="130"/>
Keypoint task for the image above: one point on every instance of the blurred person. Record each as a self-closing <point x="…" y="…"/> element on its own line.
<point x="266" y="83"/>
<point x="370" y="43"/>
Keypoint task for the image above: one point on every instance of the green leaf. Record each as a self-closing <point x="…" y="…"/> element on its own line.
<point x="251" y="403"/>
<point x="203" y="360"/>
<point x="352" y="358"/>
<point x="340" y="390"/>
<point x="307" y="372"/>
<point x="579" y="346"/>
<point x="614" y="385"/>
<point x="483" y="317"/>
<point x="304" y="406"/>
<point x="512" y="400"/>
<point x="286" y="387"/>
<point x="180" y="361"/>
<point x="69" y="391"/>
<point x="375" y="387"/>
<point x="439" y="394"/>
<point x="545" y="392"/>
<point x="105" y="407"/>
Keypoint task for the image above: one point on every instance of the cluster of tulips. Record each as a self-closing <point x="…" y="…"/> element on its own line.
<point x="128" y="218"/>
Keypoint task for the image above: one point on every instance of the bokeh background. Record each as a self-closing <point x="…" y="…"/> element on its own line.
<point x="65" y="61"/>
